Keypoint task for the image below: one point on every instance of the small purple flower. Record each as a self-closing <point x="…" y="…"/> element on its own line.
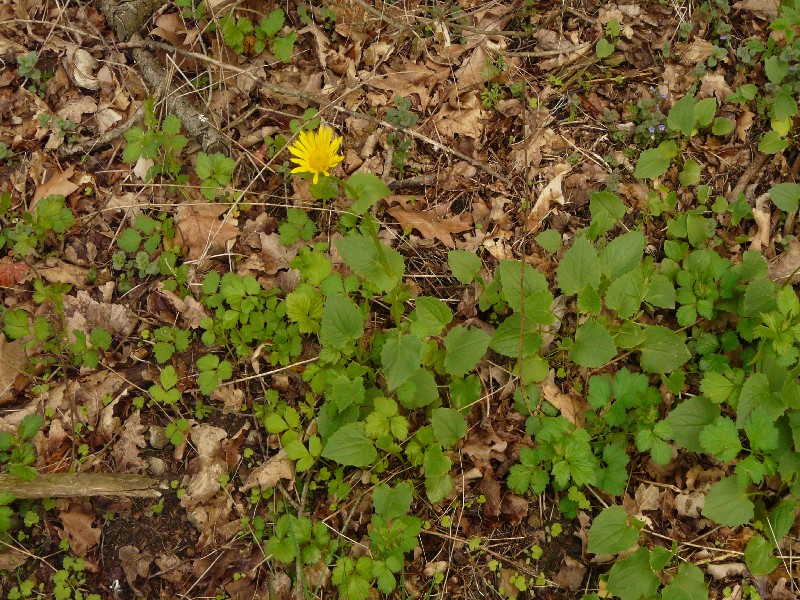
<point x="793" y="68"/>
<point x="663" y="96"/>
<point x="722" y="38"/>
<point x="651" y="129"/>
<point x="662" y="127"/>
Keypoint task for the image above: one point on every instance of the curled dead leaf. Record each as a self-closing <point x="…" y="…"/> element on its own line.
<point x="430" y="225"/>
<point x="84" y="67"/>
<point x="268" y="475"/>
<point x="199" y="228"/>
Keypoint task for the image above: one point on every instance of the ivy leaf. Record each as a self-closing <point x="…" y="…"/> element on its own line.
<point x="349" y="446"/>
<point x="611" y="533"/>
<point x="727" y="503"/>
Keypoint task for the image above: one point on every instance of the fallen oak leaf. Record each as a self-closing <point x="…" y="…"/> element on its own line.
<point x="430" y="225"/>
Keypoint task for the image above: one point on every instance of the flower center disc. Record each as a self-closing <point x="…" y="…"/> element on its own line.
<point x="318" y="160"/>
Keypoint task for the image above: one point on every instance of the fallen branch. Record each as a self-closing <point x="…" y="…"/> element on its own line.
<point x="67" y="485"/>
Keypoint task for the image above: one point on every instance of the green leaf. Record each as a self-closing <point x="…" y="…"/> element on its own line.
<point x="522" y="285"/>
<point x="449" y="426"/>
<point x="611" y="533"/>
<point x="758" y="556"/>
<point x="464" y="265"/>
<point x="365" y="189"/>
<point x="625" y="294"/>
<point x="169" y="378"/>
<point x="273" y="23"/>
<point x="632" y="578"/>
<point x="622" y="254"/>
<point x="400" y="358"/>
<point x="464" y="348"/>
<point x="129" y="240"/>
<point x="727" y="503"/>
<point x="430" y="317"/>
<point x="653" y="163"/>
<point x="604" y="48"/>
<point x="776" y="69"/>
<point x="688" y="584"/>
<point x="550" y="240"/>
<point x="437" y="474"/>
<point x="378" y="264"/>
<point x="660" y="292"/>
<point x="663" y="350"/>
<point x="772" y="143"/>
<point x="722" y="126"/>
<point x="391" y="503"/>
<point x="342" y="322"/>
<point x="594" y="346"/>
<point x="682" y="115"/>
<point x="718" y="388"/>
<point x="785" y="196"/>
<point x="761" y="431"/>
<point x="689" y="419"/>
<point x="514" y="338"/>
<point x="419" y="390"/>
<point x="350" y="446"/>
<point x="606" y="209"/>
<point x="15" y="324"/>
<point x="29" y="426"/>
<point x="704" y="111"/>
<point x="690" y="175"/>
<point x="283" y="47"/>
<point x="465" y="392"/>
<point x="780" y="520"/>
<point x="579" y="268"/>
<point x="721" y="439"/>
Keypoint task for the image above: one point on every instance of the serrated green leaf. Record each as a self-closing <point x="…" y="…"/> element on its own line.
<point x="785" y="196"/>
<point x="515" y="337"/>
<point x="430" y="317"/>
<point x="681" y="116"/>
<point x="632" y="578"/>
<point x="663" y="350"/>
<point x="689" y="419"/>
<point x="688" y="584"/>
<point x="129" y="240"/>
<point x="606" y="209"/>
<point x="418" y="390"/>
<point x="721" y="439"/>
<point x="758" y="556"/>
<point x="622" y="254"/>
<point x="464" y="348"/>
<point x="391" y="503"/>
<point x="365" y="189"/>
<point x="342" y="322"/>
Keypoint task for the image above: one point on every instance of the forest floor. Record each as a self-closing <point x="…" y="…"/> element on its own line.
<point x="178" y="307"/>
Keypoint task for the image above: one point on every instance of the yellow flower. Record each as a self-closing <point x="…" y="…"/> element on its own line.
<point x="315" y="152"/>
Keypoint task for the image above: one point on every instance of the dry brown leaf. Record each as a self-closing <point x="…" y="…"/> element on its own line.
<point x="468" y="120"/>
<point x="204" y="471"/>
<point x="515" y="508"/>
<point x="76" y="108"/>
<point x="10" y="557"/>
<point x="714" y="84"/>
<point x="787" y="265"/>
<point x="721" y="571"/>
<point x="698" y="52"/>
<point x="76" y="522"/>
<point x="126" y="449"/>
<point x="763" y="9"/>
<point x="84" y="66"/>
<point x="570" y="575"/>
<point x="572" y="408"/>
<point x="58" y="184"/>
<point x="198" y="228"/>
<point x="430" y="225"/>
<point x="13" y="361"/>
<point x="413" y="78"/>
<point x="84" y="313"/>
<point x="552" y="193"/>
<point x="271" y="472"/>
<point x="743" y="124"/>
<point x="190" y="310"/>
<point x="134" y="564"/>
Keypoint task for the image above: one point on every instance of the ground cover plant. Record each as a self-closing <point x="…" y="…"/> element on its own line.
<point x="407" y="300"/>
